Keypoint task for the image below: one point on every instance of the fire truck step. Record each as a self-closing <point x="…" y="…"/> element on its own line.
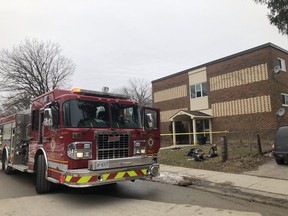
<point x="20" y="167"/>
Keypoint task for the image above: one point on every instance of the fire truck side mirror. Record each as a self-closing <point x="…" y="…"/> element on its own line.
<point x="150" y="119"/>
<point x="28" y="129"/>
<point x="48" y="117"/>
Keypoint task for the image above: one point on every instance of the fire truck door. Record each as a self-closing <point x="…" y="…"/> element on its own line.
<point x="45" y="130"/>
<point x="49" y="131"/>
<point x="151" y="123"/>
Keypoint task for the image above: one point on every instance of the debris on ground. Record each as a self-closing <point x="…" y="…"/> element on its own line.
<point x="176" y="148"/>
<point x="213" y="151"/>
<point x="196" y="154"/>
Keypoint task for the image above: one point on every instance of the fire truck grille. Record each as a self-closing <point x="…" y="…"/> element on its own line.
<point x="112" y="145"/>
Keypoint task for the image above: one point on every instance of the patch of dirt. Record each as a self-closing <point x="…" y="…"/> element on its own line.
<point x="245" y="163"/>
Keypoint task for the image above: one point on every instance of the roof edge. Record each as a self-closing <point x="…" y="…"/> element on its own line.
<point x="266" y="45"/>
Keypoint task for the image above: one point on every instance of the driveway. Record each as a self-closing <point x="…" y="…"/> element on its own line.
<point x="271" y="170"/>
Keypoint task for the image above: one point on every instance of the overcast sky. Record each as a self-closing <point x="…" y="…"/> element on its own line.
<point x="112" y="41"/>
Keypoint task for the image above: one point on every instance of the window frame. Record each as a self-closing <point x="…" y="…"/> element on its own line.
<point x="194" y="90"/>
<point x="282" y="64"/>
<point x="284" y="98"/>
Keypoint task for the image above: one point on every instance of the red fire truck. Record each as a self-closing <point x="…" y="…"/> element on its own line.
<point x="81" y="138"/>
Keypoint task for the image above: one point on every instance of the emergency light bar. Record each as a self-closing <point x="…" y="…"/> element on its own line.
<point x="99" y="94"/>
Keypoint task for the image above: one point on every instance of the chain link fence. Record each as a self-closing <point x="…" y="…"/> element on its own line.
<point x="249" y="142"/>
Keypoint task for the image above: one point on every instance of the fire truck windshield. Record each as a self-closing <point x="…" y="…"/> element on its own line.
<point x="97" y="114"/>
<point x="125" y="116"/>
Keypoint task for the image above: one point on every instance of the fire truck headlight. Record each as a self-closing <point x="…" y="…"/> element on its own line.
<point x="79" y="150"/>
<point x="79" y="154"/>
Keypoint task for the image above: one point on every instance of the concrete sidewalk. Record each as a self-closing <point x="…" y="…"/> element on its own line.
<point x="261" y="188"/>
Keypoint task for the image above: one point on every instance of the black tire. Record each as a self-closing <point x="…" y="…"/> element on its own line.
<point x="5" y="168"/>
<point x="279" y="161"/>
<point x="42" y="185"/>
<point x="2" y="162"/>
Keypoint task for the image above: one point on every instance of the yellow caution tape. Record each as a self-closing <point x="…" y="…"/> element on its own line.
<point x="216" y="132"/>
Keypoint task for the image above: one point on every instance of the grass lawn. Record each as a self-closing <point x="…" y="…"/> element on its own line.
<point x="239" y="158"/>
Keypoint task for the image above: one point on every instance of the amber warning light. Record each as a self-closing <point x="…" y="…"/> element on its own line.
<point x="76" y="90"/>
<point x="99" y="94"/>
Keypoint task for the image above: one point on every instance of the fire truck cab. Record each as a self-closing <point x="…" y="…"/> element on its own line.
<point x="81" y="138"/>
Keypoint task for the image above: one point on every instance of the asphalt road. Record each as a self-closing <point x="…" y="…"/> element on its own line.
<point x="18" y="197"/>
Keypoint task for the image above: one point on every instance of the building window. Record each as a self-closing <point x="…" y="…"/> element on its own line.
<point x="282" y="64"/>
<point x="199" y="90"/>
<point x="284" y="99"/>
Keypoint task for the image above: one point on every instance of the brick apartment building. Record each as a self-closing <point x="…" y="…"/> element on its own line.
<point x="241" y="92"/>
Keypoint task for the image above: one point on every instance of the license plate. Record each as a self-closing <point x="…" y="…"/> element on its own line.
<point x="102" y="164"/>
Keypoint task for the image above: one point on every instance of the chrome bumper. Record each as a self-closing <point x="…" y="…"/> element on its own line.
<point x="119" y="170"/>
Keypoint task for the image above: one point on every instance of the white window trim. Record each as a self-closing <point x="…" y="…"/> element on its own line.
<point x="285" y="95"/>
<point x="282" y="64"/>
<point x="201" y="87"/>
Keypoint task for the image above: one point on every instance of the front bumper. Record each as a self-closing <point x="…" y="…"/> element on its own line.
<point x="280" y="155"/>
<point x="127" y="169"/>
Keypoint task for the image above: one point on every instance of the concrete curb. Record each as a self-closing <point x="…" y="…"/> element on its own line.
<point x="250" y="195"/>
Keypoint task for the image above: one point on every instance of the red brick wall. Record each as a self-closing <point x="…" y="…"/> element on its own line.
<point x="171" y="82"/>
<point x="272" y="87"/>
<point x="184" y="102"/>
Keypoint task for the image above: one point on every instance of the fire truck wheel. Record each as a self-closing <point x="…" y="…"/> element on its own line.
<point x="42" y="185"/>
<point x="8" y="170"/>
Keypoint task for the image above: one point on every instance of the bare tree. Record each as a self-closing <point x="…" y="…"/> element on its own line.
<point x="138" y="90"/>
<point x="278" y="14"/>
<point x="31" y="69"/>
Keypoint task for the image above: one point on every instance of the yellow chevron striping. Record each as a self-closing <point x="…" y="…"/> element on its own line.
<point x="132" y="173"/>
<point x="84" y="179"/>
<point x="144" y="171"/>
<point x="68" y="178"/>
<point x="105" y="176"/>
<point x="120" y="175"/>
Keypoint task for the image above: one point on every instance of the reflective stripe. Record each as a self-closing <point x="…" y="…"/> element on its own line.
<point x="106" y="176"/>
<point x="68" y="178"/>
<point x="119" y="175"/>
<point x="53" y="170"/>
<point x="144" y="171"/>
<point x="132" y="173"/>
<point x="58" y="161"/>
<point x="84" y="179"/>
